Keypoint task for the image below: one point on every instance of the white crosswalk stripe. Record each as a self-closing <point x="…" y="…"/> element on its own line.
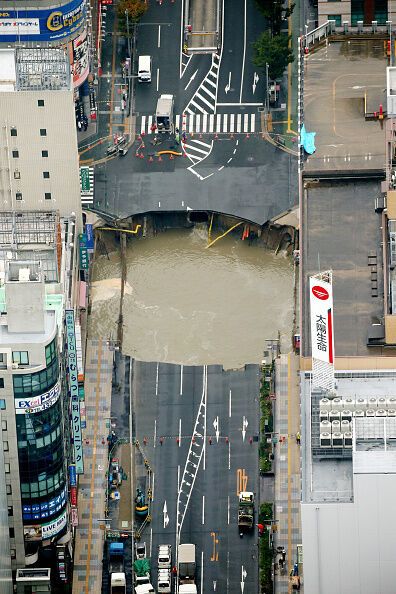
<point x="196" y="150"/>
<point x="204" y="98"/>
<point x="209" y="123"/>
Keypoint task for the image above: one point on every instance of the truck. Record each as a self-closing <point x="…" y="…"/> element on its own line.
<point x="141" y="571"/>
<point x="186" y="569"/>
<point x="118" y="583"/>
<point x="144" y="589"/>
<point x="164" y="113"/>
<point x="245" y="512"/>
<point x="164" y="581"/>
<point x="116" y="557"/>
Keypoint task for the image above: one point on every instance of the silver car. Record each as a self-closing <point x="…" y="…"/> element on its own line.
<point x="164" y="556"/>
<point x="164" y="581"/>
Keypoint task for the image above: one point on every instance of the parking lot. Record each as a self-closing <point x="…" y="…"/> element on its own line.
<point x="342" y="81"/>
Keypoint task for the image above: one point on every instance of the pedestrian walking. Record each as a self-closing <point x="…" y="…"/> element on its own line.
<point x="298" y="438"/>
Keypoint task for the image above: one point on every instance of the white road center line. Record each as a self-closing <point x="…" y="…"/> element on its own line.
<point x="202" y="571"/>
<point x="155" y="431"/>
<point x="157" y="79"/>
<point x="179" y="433"/>
<point x="151" y="540"/>
<point x="229" y="404"/>
<point x="228" y="510"/>
<point x="159" y="35"/>
<point x="229" y="455"/>
<point x="156" y="380"/>
<point x="203" y="509"/>
<point x="181" y="380"/>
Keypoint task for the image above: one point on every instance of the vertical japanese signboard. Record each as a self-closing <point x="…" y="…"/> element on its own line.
<point x="84" y="259"/>
<point x="73" y="384"/>
<point x="322" y="334"/>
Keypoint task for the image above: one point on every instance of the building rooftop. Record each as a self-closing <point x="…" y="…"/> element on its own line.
<point x="34" y="69"/>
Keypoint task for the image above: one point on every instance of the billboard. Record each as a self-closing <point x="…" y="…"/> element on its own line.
<point x="48" y="24"/>
<point x="322" y="334"/>
<point x="52" y="528"/>
<point x="79" y="59"/>
<point x="73" y="384"/>
<point x="46" y="509"/>
<point x="37" y="404"/>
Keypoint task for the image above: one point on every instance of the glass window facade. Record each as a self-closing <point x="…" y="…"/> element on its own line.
<point x="21" y="357"/>
<point x="34" y="384"/>
<point x="41" y="444"/>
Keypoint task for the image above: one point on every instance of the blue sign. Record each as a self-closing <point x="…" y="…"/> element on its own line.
<point x="73" y="385"/>
<point x="42" y="25"/>
<point x="89" y="244"/>
<point x="38" y="511"/>
<point x="72" y="476"/>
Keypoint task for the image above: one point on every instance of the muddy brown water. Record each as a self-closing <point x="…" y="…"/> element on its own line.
<point x="190" y="305"/>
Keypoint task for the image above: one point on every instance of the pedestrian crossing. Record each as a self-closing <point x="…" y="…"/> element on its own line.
<point x="204" y="98"/>
<point x="209" y="123"/>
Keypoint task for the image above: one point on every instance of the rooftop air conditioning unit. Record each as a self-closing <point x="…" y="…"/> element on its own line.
<point x="380" y="412"/>
<point x="323" y="415"/>
<point x="359" y="413"/>
<point x="337" y="440"/>
<point x="346" y="415"/>
<point x="348" y="440"/>
<point x="391" y="412"/>
<point x="391" y="403"/>
<point x="361" y="403"/>
<point x="336" y="404"/>
<point x="325" y="404"/>
<point x="345" y="427"/>
<point x="348" y="403"/>
<point x="325" y="427"/>
<point x="335" y="426"/>
<point x="334" y="415"/>
<point x="370" y="412"/>
<point x="381" y="402"/>
<point x="372" y="402"/>
<point x="325" y="440"/>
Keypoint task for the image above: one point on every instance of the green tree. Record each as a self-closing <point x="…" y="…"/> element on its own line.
<point x="134" y="8"/>
<point x="273" y="50"/>
<point x="275" y="12"/>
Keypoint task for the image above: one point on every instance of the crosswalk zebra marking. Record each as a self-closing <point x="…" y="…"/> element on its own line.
<point x="207" y="123"/>
<point x="201" y="98"/>
<point x="204" y="98"/>
<point x="197" y="151"/>
<point x="211" y="82"/>
<point x="210" y="94"/>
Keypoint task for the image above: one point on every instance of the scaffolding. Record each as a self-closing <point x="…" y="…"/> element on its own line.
<point x="42" y="69"/>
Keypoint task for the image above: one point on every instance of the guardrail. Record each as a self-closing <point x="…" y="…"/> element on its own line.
<point x="315" y="36"/>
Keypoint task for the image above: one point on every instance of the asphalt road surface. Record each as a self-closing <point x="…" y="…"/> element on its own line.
<point x="200" y="426"/>
<point x="226" y="164"/>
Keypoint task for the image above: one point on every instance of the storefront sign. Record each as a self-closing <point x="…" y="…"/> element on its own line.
<point x="52" y="528"/>
<point x="85" y="181"/>
<point x="84" y="258"/>
<point x="72" y="476"/>
<point x="42" y="25"/>
<point x="74" y="516"/>
<point x="73" y="496"/>
<point x="46" y="509"/>
<point x="73" y="384"/>
<point x="37" y="403"/>
<point x="90" y="243"/>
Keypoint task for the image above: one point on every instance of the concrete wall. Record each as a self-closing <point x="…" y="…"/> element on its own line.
<point x="20" y="110"/>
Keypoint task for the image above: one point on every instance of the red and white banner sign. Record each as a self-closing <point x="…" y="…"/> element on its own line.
<point x="322" y="334"/>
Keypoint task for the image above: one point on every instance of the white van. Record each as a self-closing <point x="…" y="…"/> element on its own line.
<point x="144" y="69"/>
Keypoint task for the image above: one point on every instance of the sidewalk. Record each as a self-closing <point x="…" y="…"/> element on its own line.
<point x="287" y="463"/>
<point x="88" y="551"/>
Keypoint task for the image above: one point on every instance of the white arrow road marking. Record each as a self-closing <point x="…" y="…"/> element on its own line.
<point x="228" y="85"/>
<point x="245" y="423"/>
<point x="166" y="517"/>
<point x="216" y="426"/>
<point x="191" y="79"/>
<point x="242" y="586"/>
<point x="256" y="78"/>
<point x="214" y="585"/>
<point x="244" y="573"/>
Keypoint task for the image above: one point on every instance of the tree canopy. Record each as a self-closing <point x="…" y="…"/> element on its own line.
<point x="134" y="8"/>
<point x="275" y="12"/>
<point x="273" y="50"/>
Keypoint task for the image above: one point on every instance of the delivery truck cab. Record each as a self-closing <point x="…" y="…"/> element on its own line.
<point x="144" y="69"/>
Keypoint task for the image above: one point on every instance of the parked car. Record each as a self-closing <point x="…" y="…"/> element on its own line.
<point x="140" y="550"/>
<point x="164" y="556"/>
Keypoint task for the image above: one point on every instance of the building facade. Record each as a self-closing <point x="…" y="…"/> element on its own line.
<point x="39" y="156"/>
<point x="352" y="11"/>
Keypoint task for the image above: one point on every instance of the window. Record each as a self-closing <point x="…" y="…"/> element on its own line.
<point x="14" y="132"/>
<point x="17" y="174"/>
<point x="13" y="553"/>
<point x="4" y="425"/>
<point x="2" y="404"/>
<point x="5" y="446"/>
<point x="20" y="357"/>
<point x="47" y="195"/>
<point x="50" y="352"/>
<point x="43" y="132"/>
<point x="40" y="102"/>
<point x="15" y="154"/>
<point x="18" y="196"/>
<point x="44" y="153"/>
<point x="1" y="382"/>
<point x="12" y="530"/>
<point x="34" y="384"/>
<point x="46" y="174"/>
<point x="336" y="18"/>
<point x="8" y="489"/>
<point x="11" y="513"/>
<point x="7" y="467"/>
